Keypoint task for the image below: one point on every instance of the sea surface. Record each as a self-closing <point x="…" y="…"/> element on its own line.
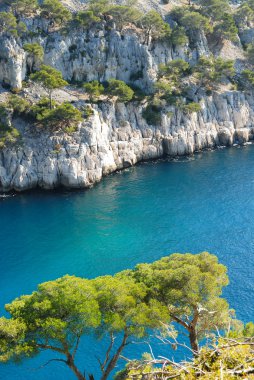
<point x="202" y="203"/>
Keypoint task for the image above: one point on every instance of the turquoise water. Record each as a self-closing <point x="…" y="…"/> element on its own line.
<point x="141" y="214"/>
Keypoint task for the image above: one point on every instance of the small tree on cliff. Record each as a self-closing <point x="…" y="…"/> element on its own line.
<point x="120" y="89"/>
<point x="23" y="7"/>
<point x="50" y="79"/>
<point x="190" y="287"/>
<point x="35" y="53"/>
<point x="54" y="11"/>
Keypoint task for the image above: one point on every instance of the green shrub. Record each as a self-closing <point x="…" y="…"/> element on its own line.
<point x="211" y="71"/>
<point x="250" y="53"/>
<point x="155" y="26"/>
<point x="178" y="36"/>
<point x="18" y="104"/>
<point x="215" y="9"/>
<point x="10" y="26"/>
<point x="22" y="7"/>
<point x="55" y="11"/>
<point x="8" y="135"/>
<point x="119" y="89"/>
<point x="123" y="15"/>
<point x="248" y="75"/>
<point x="85" y="19"/>
<point x="94" y="89"/>
<point x="64" y="115"/>
<point x="226" y="28"/>
<point x="34" y="50"/>
<point x="191" y="108"/>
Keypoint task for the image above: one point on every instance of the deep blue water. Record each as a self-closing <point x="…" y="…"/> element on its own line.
<point x="190" y="205"/>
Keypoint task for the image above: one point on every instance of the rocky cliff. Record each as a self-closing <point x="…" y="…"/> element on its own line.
<point x="117" y="136"/>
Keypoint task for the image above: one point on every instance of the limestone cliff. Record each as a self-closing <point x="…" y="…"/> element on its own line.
<point x="117" y="136"/>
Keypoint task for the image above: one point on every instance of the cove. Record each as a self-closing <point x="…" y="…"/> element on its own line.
<point x="204" y="202"/>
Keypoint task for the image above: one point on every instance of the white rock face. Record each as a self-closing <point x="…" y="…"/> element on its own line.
<point x="97" y="54"/>
<point x="117" y="136"/>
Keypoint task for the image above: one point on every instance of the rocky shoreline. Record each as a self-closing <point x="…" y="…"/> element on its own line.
<point x="116" y="136"/>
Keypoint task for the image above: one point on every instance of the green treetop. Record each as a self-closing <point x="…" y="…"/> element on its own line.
<point x="23" y="7"/>
<point x="155" y="26"/>
<point x="86" y="19"/>
<point x="52" y="318"/>
<point x="50" y="79"/>
<point x="210" y="70"/>
<point x="226" y="28"/>
<point x="244" y="15"/>
<point x="250" y="53"/>
<point x="190" y="286"/>
<point x="94" y="89"/>
<point x="55" y="11"/>
<point x="214" y="9"/>
<point x="35" y="53"/>
<point x="10" y="26"/>
<point x="125" y="315"/>
<point x="99" y="7"/>
<point x="119" y="89"/>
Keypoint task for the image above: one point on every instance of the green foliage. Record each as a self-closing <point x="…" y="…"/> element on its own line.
<point x="250" y="53"/>
<point x="123" y="15"/>
<point x="85" y="19"/>
<point x="171" y="76"/>
<point x="215" y="9"/>
<point x="191" y="107"/>
<point x="55" y="11"/>
<point x="119" y="89"/>
<point x="38" y="110"/>
<point x="94" y="89"/>
<point x="122" y="306"/>
<point x="62" y="116"/>
<point x="226" y="28"/>
<point x="244" y="15"/>
<point x="10" y="26"/>
<point x="181" y="288"/>
<point x="49" y="78"/>
<point x="34" y="50"/>
<point x="8" y="135"/>
<point x="178" y="36"/>
<point x="190" y="19"/>
<point x="163" y="89"/>
<point x="18" y="104"/>
<point x="22" y="7"/>
<point x="53" y="317"/>
<point x="98" y="7"/>
<point x="190" y="286"/>
<point x="248" y="75"/>
<point x="35" y="54"/>
<point x="155" y="26"/>
<point x="211" y="71"/>
<point x="195" y="21"/>
<point x="174" y="70"/>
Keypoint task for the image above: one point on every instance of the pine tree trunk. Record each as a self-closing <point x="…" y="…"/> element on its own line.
<point x="114" y="359"/>
<point x="194" y="341"/>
